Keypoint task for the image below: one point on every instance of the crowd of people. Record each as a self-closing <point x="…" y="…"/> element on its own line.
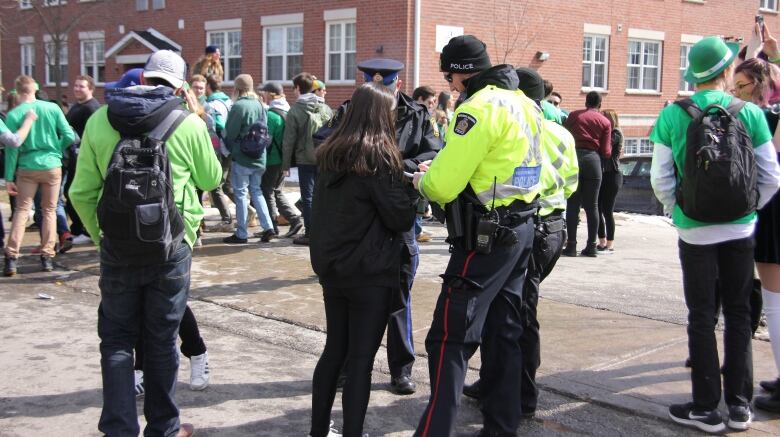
<point x="503" y="165"/>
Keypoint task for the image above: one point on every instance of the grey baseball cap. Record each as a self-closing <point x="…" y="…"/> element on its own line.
<point x="167" y="65"/>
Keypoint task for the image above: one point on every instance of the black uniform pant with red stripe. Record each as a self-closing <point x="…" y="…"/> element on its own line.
<point x="480" y="293"/>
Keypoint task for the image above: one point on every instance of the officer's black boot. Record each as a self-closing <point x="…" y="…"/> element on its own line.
<point x="590" y="250"/>
<point x="570" y="249"/>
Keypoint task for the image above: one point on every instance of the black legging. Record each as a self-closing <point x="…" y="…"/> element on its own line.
<point x="610" y="185"/>
<point x="356" y="320"/>
<point x="587" y="196"/>
<point x="191" y="342"/>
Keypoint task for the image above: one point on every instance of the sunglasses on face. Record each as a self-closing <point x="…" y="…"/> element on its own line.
<point x="448" y="77"/>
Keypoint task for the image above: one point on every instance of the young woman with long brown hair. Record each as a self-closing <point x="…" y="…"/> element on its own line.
<point x="361" y="205"/>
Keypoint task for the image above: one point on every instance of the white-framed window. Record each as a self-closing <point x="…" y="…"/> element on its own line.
<point x="644" y="65"/>
<point x="229" y="44"/>
<point x="51" y="66"/>
<point x="685" y="86"/>
<point x="93" y="63"/>
<point x="25" y="4"/>
<point x="282" y="52"/>
<point x="54" y="2"/>
<point x="28" y="59"/>
<point x="341" y="45"/>
<point x="595" y="55"/>
<point x="770" y="5"/>
<point x="141" y="5"/>
<point x="640" y="146"/>
<point x="158" y="4"/>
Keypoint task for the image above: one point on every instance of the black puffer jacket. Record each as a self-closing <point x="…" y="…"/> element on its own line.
<point x="355" y="237"/>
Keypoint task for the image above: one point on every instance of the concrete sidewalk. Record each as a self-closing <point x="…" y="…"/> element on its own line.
<point x="605" y="370"/>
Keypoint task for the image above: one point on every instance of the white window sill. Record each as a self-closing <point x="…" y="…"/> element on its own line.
<point x="685" y="93"/>
<point x="589" y="89"/>
<point x="698" y="2"/>
<point x="339" y="82"/>
<point x="768" y="11"/>
<point x="643" y="93"/>
<point x="52" y="84"/>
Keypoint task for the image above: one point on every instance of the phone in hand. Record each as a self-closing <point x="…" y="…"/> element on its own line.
<point x="760" y="22"/>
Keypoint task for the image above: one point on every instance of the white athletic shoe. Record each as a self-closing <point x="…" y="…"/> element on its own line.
<point x="81" y="239"/>
<point x="332" y="431"/>
<point x="199" y="372"/>
<point x="139" y="384"/>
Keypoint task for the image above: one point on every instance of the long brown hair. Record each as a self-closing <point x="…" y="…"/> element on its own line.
<point x="766" y="80"/>
<point x="612" y="116"/>
<point x="364" y="141"/>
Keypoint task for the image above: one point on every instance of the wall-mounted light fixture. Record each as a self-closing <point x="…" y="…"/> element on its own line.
<point x="542" y="56"/>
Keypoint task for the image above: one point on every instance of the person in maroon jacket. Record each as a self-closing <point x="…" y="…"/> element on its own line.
<point x="592" y="137"/>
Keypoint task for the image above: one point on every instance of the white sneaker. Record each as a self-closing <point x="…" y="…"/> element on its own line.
<point x="82" y="239"/>
<point x="332" y="431"/>
<point x="139" y="384"/>
<point x="199" y="371"/>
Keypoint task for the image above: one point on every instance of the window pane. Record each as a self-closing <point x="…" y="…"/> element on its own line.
<point x="234" y="44"/>
<point x="349" y="66"/>
<point x="274" y="67"/>
<point x="634" y="52"/>
<point x="586" y="75"/>
<point x="350" y="37"/>
<point x="141" y="5"/>
<point x="586" y="48"/>
<point x="234" y="68"/>
<point x="294" y="66"/>
<point x="598" y="76"/>
<point x="295" y="39"/>
<point x="87" y="54"/>
<point x="651" y="78"/>
<point x="335" y="38"/>
<point x="651" y="54"/>
<point x="633" y="77"/>
<point x="274" y="41"/>
<point x="334" y="61"/>
<point x="158" y="4"/>
<point x="217" y="39"/>
<point x="101" y="74"/>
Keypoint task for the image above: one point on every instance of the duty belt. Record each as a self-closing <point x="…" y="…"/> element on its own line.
<point x="516" y="212"/>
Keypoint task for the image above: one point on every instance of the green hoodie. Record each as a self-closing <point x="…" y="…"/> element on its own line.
<point x="245" y="111"/>
<point x="49" y="136"/>
<point x="193" y="164"/>
<point x="307" y="115"/>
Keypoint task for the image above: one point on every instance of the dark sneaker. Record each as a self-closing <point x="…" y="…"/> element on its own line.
<point x="771" y="386"/>
<point x="303" y="240"/>
<point x="295" y="227"/>
<point x="9" y="269"/>
<point x="707" y="421"/>
<point x="740" y="417"/>
<point x="66" y="242"/>
<point x="402" y="385"/>
<point x="590" y="250"/>
<point x="768" y="403"/>
<point x="472" y="390"/>
<point x="570" y="250"/>
<point x="233" y="239"/>
<point x="267" y="235"/>
<point x="688" y="363"/>
<point x="47" y="264"/>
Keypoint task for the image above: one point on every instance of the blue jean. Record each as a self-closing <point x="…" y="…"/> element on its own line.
<point x="146" y="301"/>
<point x="243" y="178"/>
<point x="62" y="219"/>
<point x="418" y="226"/>
<point x="307" y="177"/>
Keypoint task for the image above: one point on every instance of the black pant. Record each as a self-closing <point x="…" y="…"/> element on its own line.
<point x="191" y="342"/>
<point x="547" y="250"/>
<point x="400" y="344"/>
<point x="219" y="196"/>
<point x="587" y="196"/>
<point x="730" y="264"/>
<point x="271" y="185"/>
<point x="356" y="319"/>
<point x="69" y="173"/>
<point x="610" y="185"/>
<point x="480" y="292"/>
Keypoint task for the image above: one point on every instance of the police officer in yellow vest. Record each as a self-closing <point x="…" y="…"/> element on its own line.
<point x="488" y="177"/>
<point x="559" y="180"/>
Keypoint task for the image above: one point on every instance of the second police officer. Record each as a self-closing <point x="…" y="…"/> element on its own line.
<point x="419" y="143"/>
<point x="492" y="167"/>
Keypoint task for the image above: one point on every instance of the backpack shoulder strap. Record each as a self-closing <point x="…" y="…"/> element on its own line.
<point x="735" y="106"/>
<point x="169" y="124"/>
<point x="689" y="107"/>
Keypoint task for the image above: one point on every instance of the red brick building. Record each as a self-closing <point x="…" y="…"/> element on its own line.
<point x="631" y="50"/>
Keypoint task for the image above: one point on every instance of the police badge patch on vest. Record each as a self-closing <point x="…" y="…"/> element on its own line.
<point x="526" y="177"/>
<point x="464" y="123"/>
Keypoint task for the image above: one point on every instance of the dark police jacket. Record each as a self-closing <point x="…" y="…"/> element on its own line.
<point x="355" y="237"/>
<point x="417" y="139"/>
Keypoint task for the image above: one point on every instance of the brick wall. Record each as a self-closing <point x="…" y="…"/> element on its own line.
<point x="388" y="31"/>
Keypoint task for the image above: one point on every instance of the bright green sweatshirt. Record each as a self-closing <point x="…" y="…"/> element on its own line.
<point x="193" y="164"/>
<point x="49" y="136"/>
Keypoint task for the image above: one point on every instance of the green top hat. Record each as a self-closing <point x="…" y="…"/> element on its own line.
<point x="708" y="58"/>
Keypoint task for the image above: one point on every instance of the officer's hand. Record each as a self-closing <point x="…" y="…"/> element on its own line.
<point x="424" y="166"/>
<point x="11" y="188"/>
<point x="416" y="179"/>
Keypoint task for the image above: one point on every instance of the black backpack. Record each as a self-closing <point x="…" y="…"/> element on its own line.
<point x="137" y="213"/>
<point x="254" y="143"/>
<point x="718" y="182"/>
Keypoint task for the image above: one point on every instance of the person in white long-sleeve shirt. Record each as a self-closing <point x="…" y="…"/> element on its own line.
<point x="711" y="252"/>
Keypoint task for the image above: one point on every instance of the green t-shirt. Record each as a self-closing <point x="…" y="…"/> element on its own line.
<point x="672" y="125"/>
<point x="551" y="112"/>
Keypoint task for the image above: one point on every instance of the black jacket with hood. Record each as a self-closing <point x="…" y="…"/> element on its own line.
<point x="355" y="237"/>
